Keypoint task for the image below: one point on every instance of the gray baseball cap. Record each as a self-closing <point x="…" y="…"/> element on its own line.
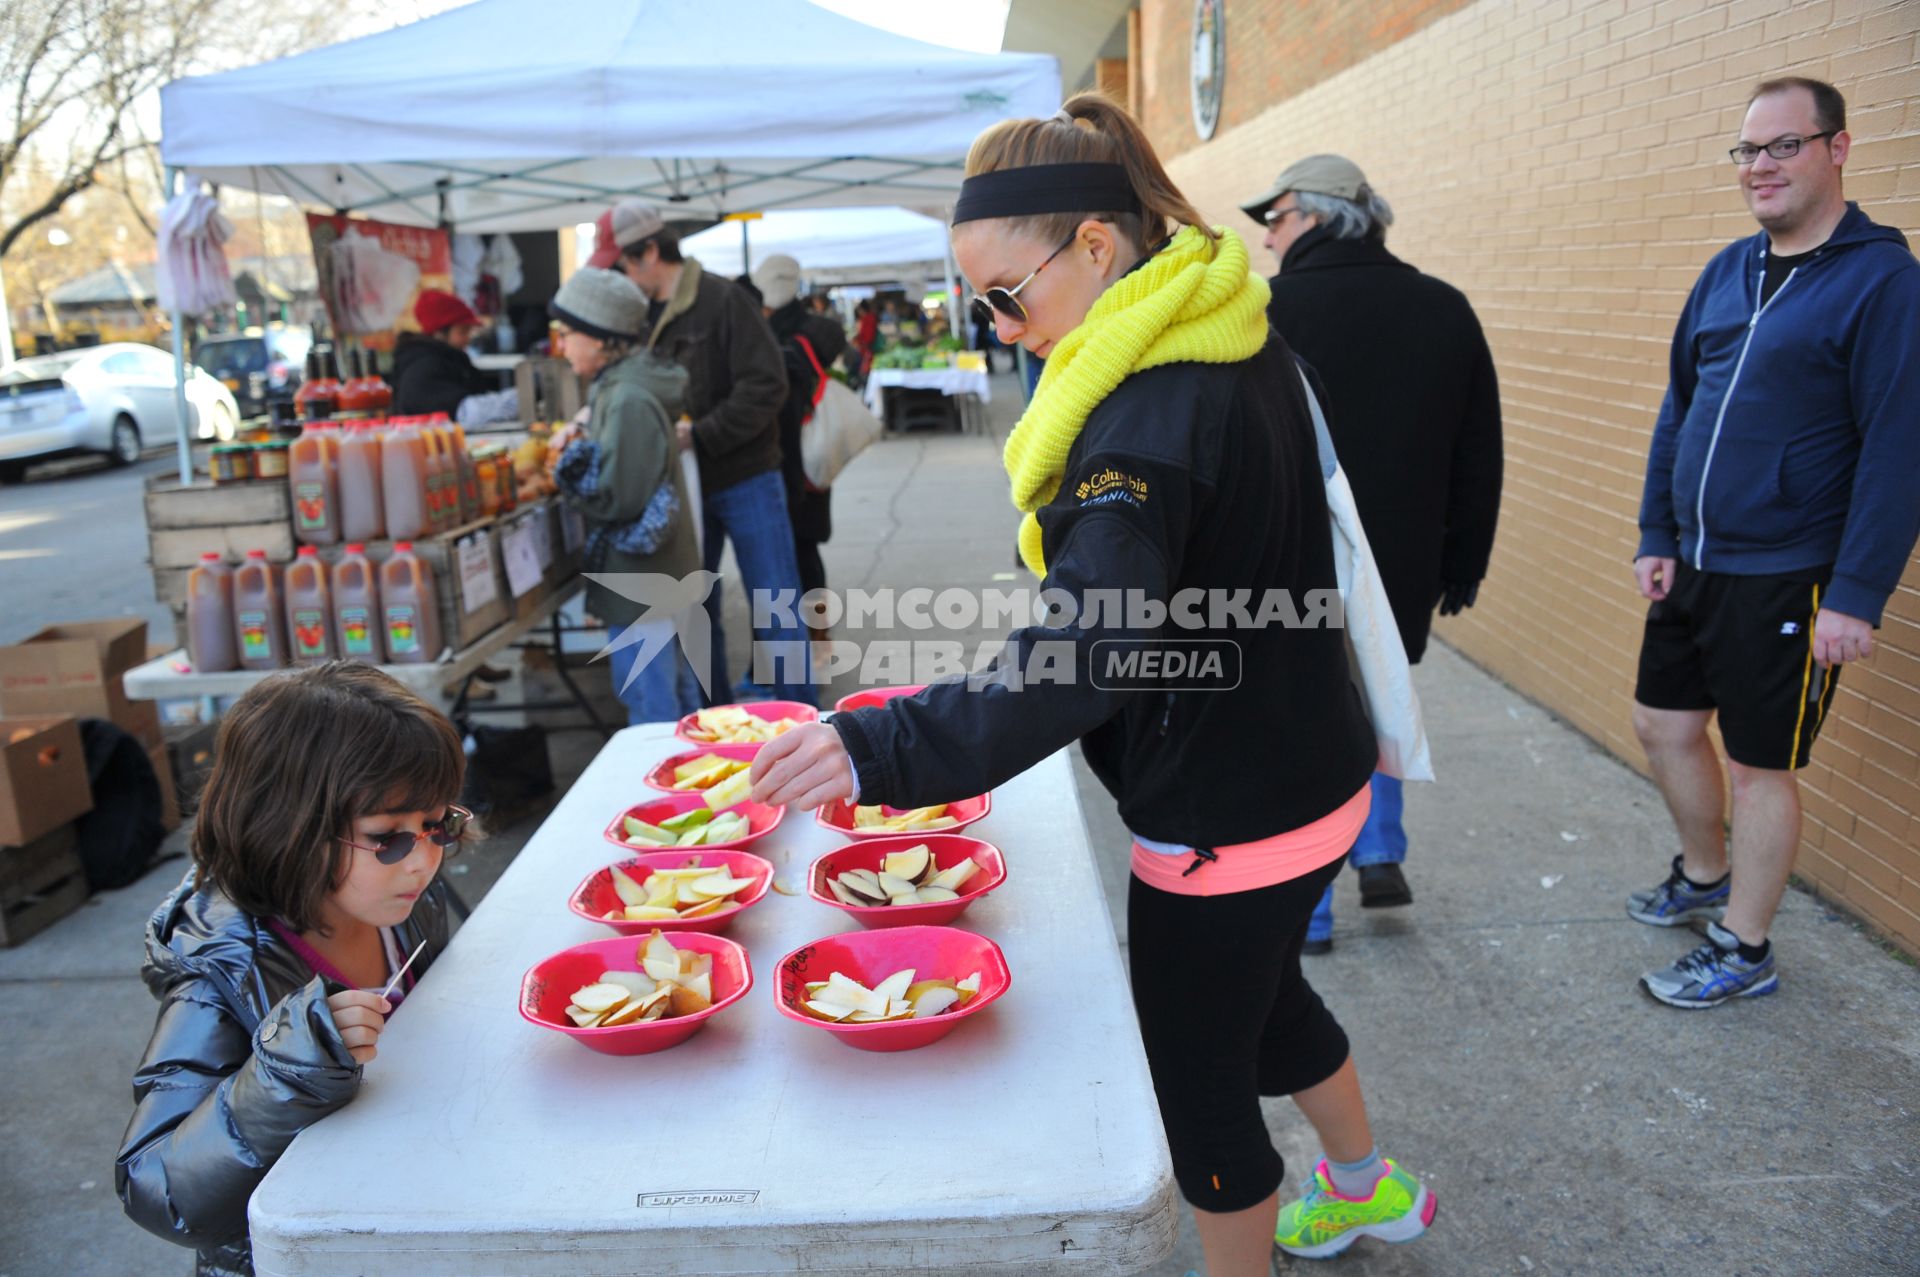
<point x="1316" y="175"/>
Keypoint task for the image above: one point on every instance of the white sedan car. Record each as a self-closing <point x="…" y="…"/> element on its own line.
<point x="116" y="399"/>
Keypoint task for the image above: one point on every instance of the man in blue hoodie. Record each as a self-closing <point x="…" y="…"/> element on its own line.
<point x="1781" y="505"/>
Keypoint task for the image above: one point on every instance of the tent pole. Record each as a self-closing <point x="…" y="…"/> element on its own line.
<point x="953" y="304"/>
<point x="173" y="186"/>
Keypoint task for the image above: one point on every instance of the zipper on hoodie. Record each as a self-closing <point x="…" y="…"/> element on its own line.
<point x="1706" y="467"/>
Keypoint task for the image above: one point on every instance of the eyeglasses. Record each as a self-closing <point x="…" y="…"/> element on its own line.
<point x="1781" y="148"/>
<point x="1274" y="216"/>
<point x="1007" y="300"/>
<point x="391" y="849"/>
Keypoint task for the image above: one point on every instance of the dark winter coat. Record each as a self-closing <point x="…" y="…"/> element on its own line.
<point x="1414" y="410"/>
<point x="1187" y="477"/>
<point x="737" y="380"/>
<point x="244" y="1056"/>
<point x="809" y="510"/>
<point x="430" y="376"/>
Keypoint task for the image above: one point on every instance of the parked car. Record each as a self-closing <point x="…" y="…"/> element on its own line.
<point x="257" y="365"/>
<point x="126" y="402"/>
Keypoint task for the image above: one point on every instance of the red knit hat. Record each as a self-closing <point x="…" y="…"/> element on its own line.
<point x="434" y="310"/>
<point x="605" y="250"/>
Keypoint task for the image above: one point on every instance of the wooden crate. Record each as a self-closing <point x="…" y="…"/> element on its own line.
<point x="558" y="395"/>
<point x="186" y="520"/>
<point x="40" y="883"/>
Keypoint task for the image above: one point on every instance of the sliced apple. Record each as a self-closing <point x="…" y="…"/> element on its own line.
<point x="706" y="909"/>
<point x="682" y="1000"/>
<point x="895" y="986"/>
<point x="934" y="895"/>
<point x="969" y="987"/>
<point x="954" y="875"/>
<point x="831" y="1011"/>
<point x="933" y="1001"/>
<point x="722" y="883"/>
<point x="731" y="791"/>
<point x="854" y="994"/>
<point x="895" y="886"/>
<point x="584" y="1019"/>
<point x="627" y="1014"/>
<point x="639" y="830"/>
<point x="651" y="913"/>
<point x="908" y="864"/>
<point x="629" y="891"/>
<point x="841" y="894"/>
<point x="636" y="983"/>
<point x="599" y="998"/>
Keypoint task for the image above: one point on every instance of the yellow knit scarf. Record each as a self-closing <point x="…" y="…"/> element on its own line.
<point x="1195" y="301"/>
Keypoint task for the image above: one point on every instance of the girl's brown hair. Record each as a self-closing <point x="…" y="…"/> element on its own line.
<point x="297" y="760"/>
<point x="1097" y="130"/>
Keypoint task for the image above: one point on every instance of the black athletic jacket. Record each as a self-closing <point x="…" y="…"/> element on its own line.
<point x="1187" y="477"/>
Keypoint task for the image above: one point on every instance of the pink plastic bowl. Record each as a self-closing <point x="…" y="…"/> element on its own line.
<point x="772" y="711"/>
<point x="874" y="696"/>
<point x="661" y="777"/>
<point x="935" y="953"/>
<point x="838" y="816"/>
<point x="595" y="896"/>
<point x="761" y="821"/>
<point x="947" y="849"/>
<point x="551" y="983"/>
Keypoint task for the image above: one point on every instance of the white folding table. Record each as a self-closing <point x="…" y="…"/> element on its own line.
<point x="1027" y="1141"/>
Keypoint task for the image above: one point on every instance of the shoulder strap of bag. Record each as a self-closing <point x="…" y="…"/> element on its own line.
<point x="819" y="373"/>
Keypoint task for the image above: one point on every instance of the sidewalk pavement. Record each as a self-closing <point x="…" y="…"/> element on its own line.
<point x="1568" y="1123"/>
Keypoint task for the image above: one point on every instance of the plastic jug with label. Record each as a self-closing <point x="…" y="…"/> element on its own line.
<point x="468" y="474"/>
<point x="409" y="608"/>
<point x="403" y="481"/>
<point x="259" y="618"/>
<point x="210" y="632"/>
<point x="316" y="495"/>
<point x="309" y="609"/>
<point x="362" y="502"/>
<point x="356" y="607"/>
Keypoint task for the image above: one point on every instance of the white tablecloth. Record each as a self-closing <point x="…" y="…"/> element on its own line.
<point x="1027" y="1141"/>
<point x="948" y="381"/>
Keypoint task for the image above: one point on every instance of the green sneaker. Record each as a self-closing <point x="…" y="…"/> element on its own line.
<point x="1323" y="1223"/>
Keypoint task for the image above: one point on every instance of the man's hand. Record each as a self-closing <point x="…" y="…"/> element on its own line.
<point x="1654" y="575"/>
<point x="1839" y="638"/>
<point x="360" y="1014"/>
<point x="683" y="430"/>
<point x="1456" y="597"/>
<point x="807" y="767"/>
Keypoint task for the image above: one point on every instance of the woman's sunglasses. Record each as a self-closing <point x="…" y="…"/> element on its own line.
<point x="391" y="849"/>
<point x="1007" y="300"/>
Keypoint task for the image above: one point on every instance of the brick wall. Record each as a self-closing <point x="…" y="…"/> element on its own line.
<point x="1563" y="162"/>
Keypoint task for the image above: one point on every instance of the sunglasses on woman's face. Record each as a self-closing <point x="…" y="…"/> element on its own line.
<point x="1007" y="300"/>
<point x="391" y="849"/>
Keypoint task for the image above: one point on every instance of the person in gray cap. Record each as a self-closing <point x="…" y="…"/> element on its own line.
<point x="736" y="384"/>
<point x="1414" y="410"/>
<point x="621" y="470"/>
<point x="810" y="343"/>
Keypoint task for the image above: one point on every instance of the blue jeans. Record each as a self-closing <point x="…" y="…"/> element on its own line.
<point x="1382" y="841"/>
<point x="754" y="513"/>
<point x="664" y="692"/>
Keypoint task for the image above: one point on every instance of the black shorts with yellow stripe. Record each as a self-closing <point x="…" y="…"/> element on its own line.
<point x="1743" y="646"/>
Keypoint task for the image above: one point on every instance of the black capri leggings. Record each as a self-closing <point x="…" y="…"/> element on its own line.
<point x="1227" y="1017"/>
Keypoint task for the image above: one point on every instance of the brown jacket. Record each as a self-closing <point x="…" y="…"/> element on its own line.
<point x="736" y="377"/>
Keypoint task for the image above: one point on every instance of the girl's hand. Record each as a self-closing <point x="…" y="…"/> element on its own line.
<point x="806" y="767"/>
<point x="360" y="1014"/>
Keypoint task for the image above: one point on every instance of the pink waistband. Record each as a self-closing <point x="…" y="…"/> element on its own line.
<point x="1265" y="862"/>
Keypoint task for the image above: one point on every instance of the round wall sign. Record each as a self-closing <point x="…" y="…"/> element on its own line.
<point x="1209" y="70"/>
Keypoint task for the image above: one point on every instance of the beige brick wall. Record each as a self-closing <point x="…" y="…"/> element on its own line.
<point x="1563" y="162"/>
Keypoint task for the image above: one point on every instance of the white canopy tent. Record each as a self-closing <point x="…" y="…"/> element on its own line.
<point x="832" y="245"/>
<point x="516" y="115"/>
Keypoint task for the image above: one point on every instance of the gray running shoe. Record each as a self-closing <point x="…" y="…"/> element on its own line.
<point x="1677" y="901"/>
<point x="1712" y="974"/>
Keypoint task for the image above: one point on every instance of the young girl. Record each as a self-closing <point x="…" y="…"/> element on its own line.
<point x="1168" y="458"/>
<point x="316" y="857"/>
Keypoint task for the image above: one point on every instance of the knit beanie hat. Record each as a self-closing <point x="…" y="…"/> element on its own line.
<point x="434" y="310"/>
<point x="601" y="303"/>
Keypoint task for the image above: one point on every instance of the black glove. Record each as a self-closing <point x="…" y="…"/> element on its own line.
<point x="1456" y="597"/>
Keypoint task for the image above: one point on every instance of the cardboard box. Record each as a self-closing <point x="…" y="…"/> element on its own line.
<point x="169" y="795"/>
<point x="43" y="777"/>
<point x="40" y="884"/>
<point x="75" y="669"/>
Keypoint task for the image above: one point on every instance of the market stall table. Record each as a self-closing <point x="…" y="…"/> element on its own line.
<point x="970" y="388"/>
<point x="1027" y="1141"/>
<point x="162" y="679"/>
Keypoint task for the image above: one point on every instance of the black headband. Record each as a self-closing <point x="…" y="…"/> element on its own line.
<point x="1046" y="188"/>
